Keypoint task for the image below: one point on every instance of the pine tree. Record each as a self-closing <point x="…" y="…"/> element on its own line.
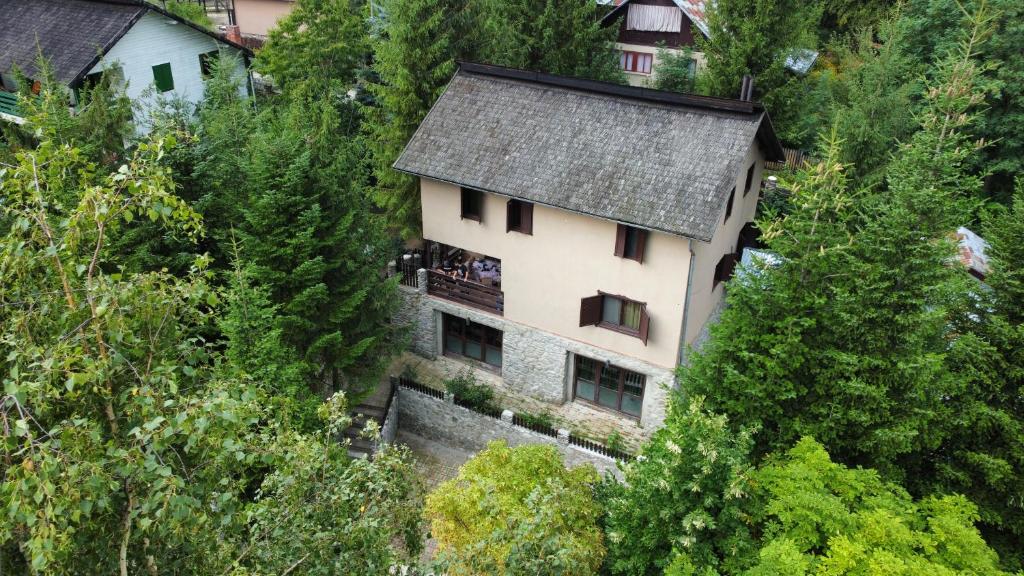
<point x="756" y="37"/>
<point x="312" y="240"/>
<point x="847" y="340"/>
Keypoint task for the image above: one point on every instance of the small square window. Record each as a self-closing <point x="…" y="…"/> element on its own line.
<point x="472" y="204"/>
<point x="207" y="61"/>
<point x="162" y="77"/>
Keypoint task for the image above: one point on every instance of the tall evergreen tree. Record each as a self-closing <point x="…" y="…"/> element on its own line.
<point x="313" y="241"/>
<point x="756" y="37"/>
<point x="847" y="339"/>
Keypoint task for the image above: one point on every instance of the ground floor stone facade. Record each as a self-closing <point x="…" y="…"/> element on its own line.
<point x="537" y="369"/>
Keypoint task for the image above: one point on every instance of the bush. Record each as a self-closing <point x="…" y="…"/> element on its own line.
<point x="544" y="419"/>
<point x="467" y="389"/>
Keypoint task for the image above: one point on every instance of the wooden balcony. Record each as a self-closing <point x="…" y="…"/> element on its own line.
<point x="465" y="292"/>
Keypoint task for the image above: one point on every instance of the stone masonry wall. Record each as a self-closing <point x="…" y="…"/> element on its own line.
<point x="536" y="365"/>
<point x="445" y="422"/>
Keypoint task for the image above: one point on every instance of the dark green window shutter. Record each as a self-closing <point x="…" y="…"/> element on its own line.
<point x="162" y="77"/>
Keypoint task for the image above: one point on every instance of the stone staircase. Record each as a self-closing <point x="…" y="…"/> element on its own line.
<point x="374" y="407"/>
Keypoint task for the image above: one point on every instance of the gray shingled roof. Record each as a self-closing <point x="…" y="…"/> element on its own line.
<point x="72" y="34"/>
<point x="661" y="166"/>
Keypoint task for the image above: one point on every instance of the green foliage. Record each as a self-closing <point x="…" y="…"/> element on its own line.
<point x="873" y="98"/>
<point x="544" y="419"/>
<point x="756" y="37"/>
<point x="517" y="511"/>
<point x="819" y="517"/>
<point x="683" y="496"/>
<point x="466" y="388"/>
<point x="320" y="42"/>
<point x="312" y="240"/>
<point x="191" y="11"/>
<point x="615" y="442"/>
<point x="130" y="447"/>
<point x="676" y="71"/>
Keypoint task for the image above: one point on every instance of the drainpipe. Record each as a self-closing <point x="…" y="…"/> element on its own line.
<point x="686" y="303"/>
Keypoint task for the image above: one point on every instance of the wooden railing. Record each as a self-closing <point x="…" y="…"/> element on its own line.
<point x="466" y="292"/>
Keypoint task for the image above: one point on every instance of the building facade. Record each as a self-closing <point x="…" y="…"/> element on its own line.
<point x="153" y="54"/>
<point x="255" y="18"/>
<point x="577" y="235"/>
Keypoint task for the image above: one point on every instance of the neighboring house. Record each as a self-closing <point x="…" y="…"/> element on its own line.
<point x="151" y="51"/>
<point x="646" y="25"/>
<point x="255" y="18"/>
<point x="597" y="223"/>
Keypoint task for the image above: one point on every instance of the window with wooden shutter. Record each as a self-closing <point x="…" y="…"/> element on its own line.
<point x="472" y="204"/>
<point x="162" y="77"/>
<point x="630" y="242"/>
<point x="724" y="268"/>
<point x="590" y="310"/>
<point x="519" y="217"/>
<point x="728" y="205"/>
<point x="750" y="179"/>
<point x="645" y="325"/>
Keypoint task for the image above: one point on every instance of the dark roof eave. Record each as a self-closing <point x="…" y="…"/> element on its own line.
<point x="773" y="151"/>
<point x="555" y="206"/>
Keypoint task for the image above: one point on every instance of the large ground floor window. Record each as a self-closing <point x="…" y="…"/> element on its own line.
<point x="472" y="340"/>
<point x="608" y="385"/>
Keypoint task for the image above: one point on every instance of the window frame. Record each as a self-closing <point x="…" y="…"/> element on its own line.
<point x="622" y="232"/>
<point x="157" y="77"/>
<point x="592" y="314"/>
<point x="206" y="60"/>
<point x="624" y="61"/>
<point x="467" y="198"/>
<point x="599" y="367"/>
<point x="484" y="341"/>
<point x="521" y="210"/>
<point x="724" y="269"/>
<point x="728" y="205"/>
<point x="750" y="179"/>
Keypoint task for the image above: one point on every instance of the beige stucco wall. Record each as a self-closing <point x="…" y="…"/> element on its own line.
<point x="703" y="298"/>
<point x="647" y="80"/>
<point x="259" y="16"/>
<point x="568" y="257"/>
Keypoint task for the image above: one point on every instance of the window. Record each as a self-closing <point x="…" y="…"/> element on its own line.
<point x="750" y="179"/>
<point x="728" y="205"/>
<point x="163" y="78"/>
<point x="630" y="242"/>
<point x="608" y="385"/>
<point x="616" y="313"/>
<point x="519" y="217"/>
<point x="472" y="340"/>
<point x="724" y="268"/>
<point x="207" y="61"/>
<point x="639" y="62"/>
<point x="472" y="204"/>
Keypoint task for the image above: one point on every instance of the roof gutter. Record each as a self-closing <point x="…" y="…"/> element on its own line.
<point x="686" y="305"/>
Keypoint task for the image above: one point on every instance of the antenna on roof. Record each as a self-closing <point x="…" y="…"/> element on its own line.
<point x="747" y="88"/>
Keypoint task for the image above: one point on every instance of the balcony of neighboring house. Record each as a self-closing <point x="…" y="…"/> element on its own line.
<point x="455" y="274"/>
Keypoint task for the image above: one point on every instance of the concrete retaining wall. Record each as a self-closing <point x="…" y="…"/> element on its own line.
<point x="445" y="422"/>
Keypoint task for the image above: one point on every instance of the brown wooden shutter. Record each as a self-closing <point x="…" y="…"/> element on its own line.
<point x="641" y="243"/>
<point x="509" y="207"/>
<point x="590" y="310"/>
<point x="527" y="218"/>
<point x="465" y="202"/>
<point x="645" y="324"/>
<point x="620" y="240"/>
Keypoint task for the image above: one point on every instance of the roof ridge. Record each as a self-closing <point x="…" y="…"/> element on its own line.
<point x="612" y="89"/>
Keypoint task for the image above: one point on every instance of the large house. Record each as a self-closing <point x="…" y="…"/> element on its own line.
<point x="152" y="52"/>
<point x="647" y="26"/>
<point x="577" y="235"/>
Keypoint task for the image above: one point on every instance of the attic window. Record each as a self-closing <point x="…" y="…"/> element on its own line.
<point x="646" y="18"/>
<point x="728" y="205"/>
<point x="472" y="204"/>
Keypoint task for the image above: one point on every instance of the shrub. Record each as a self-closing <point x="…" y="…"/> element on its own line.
<point x="466" y="388"/>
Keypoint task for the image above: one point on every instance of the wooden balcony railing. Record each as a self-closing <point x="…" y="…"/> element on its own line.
<point x="465" y="292"/>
